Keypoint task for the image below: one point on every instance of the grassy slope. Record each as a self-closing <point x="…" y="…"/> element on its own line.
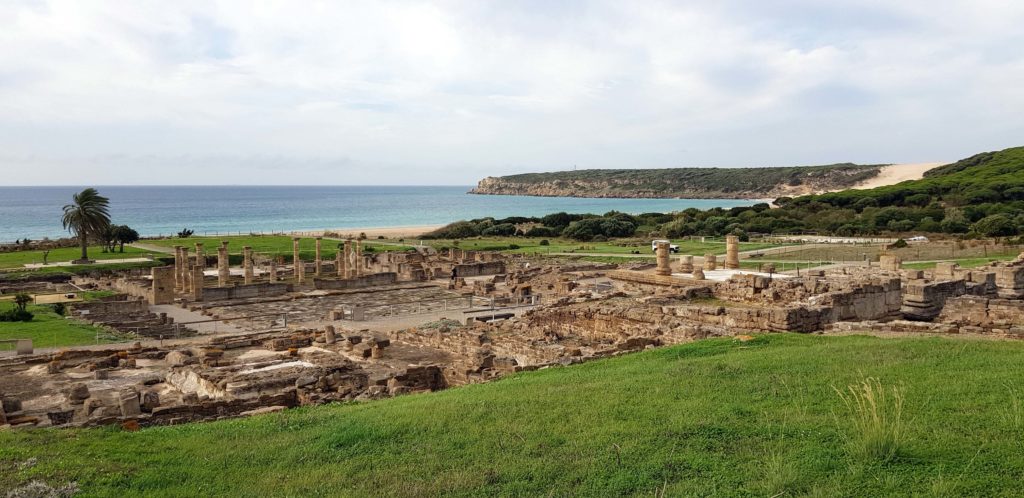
<point x="20" y="258"/>
<point x="682" y="180"/>
<point x="716" y="416"/>
<point x="964" y="262"/>
<point x="50" y="330"/>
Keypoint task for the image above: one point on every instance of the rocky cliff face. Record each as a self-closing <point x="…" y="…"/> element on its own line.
<point x="689" y="183"/>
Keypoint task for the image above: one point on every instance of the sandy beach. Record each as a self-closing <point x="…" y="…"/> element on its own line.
<point x="897" y="173"/>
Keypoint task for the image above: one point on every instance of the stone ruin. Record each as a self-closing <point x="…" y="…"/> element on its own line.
<point x="497" y="317"/>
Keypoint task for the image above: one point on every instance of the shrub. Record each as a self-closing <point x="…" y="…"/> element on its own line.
<point x="513" y="246"/>
<point x="185" y="233"/>
<point x="59" y="308"/>
<point x="21" y="300"/>
<point x="456" y="230"/>
<point x="501" y="230"/>
<point x="877" y="419"/>
<point x="899" y="244"/>
<point x="16" y="315"/>
<point x="539" y="231"/>
<point x="545" y="242"/>
<point x="997" y="225"/>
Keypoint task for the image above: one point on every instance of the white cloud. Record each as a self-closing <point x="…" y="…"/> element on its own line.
<point x="447" y="92"/>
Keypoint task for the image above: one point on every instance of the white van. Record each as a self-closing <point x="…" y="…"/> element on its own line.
<point x="671" y="247"/>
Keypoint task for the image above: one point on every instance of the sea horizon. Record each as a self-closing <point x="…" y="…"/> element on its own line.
<point x="162" y="210"/>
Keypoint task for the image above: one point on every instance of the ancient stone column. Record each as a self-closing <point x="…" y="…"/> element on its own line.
<point x="732" y="252"/>
<point x="316" y="270"/>
<point x="339" y="263"/>
<point x="200" y="255"/>
<point x="197" y="283"/>
<point x="663" y="264"/>
<point x="178" y="284"/>
<point x="247" y="263"/>
<point x="300" y="269"/>
<point x="186" y="284"/>
<point x="359" y="258"/>
<point x="273" y="270"/>
<point x="329" y="337"/>
<point x="223" y="273"/>
<point x="890" y="262"/>
<point x="686" y="264"/>
<point x="349" y="263"/>
<point x="710" y="262"/>
<point x="163" y="285"/>
<point x="698" y="273"/>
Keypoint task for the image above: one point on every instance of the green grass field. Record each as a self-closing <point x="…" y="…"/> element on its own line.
<point x="267" y="244"/>
<point x="20" y="258"/>
<point x="964" y="263"/>
<point x="716" y="417"/>
<point x="639" y="246"/>
<point x="50" y="330"/>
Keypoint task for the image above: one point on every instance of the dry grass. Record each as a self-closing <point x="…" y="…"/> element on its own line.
<point x="876" y="414"/>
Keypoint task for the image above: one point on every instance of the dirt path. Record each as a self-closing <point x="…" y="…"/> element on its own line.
<point x="154" y="248"/>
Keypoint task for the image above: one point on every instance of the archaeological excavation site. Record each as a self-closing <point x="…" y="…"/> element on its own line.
<point x="214" y="340"/>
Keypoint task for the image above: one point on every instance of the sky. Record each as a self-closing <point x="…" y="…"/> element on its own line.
<point x="446" y="93"/>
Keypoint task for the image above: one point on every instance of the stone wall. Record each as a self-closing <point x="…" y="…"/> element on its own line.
<point x="923" y="300"/>
<point x="481" y="268"/>
<point x="103" y="307"/>
<point x="374" y="280"/>
<point x="982" y="312"/>
<point x="263" y="289"/>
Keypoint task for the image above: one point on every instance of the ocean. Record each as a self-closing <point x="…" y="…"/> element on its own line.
<point x="35" y="212"/>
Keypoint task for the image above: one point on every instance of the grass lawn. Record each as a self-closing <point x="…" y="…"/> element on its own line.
<point x="267" y="244"/>
<point x="50" y="330"/>
<point x="16" y="274"/>
<point x="531" y="245"/>
<point x="928" y="251"/>
<point x="760" y="418"/>
<point x="964" y="263"/>
<point x="20" y="258"/>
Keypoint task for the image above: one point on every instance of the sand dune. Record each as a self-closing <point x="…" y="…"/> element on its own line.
<point x="898" y="173"/>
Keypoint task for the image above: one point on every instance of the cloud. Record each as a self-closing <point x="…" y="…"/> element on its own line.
<point x="447" y="92"/>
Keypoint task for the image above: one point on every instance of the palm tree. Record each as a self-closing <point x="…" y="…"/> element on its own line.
<point x="86" y="216"/>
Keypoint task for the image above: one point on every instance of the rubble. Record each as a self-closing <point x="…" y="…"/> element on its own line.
<point x="365" y="326"/>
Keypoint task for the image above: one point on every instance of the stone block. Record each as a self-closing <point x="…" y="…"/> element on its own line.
<point x="128" y="401"/>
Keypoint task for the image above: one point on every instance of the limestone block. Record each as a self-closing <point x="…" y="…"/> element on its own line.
<point x="129" y="402"/>
<point x="150" y="401"/>
<point x="77" y="393"/>
<point x="710" y="262"/>
<point x="686" y="264"/>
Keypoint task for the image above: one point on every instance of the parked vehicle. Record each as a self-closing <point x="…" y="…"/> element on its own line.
<point x="671" y="247"/>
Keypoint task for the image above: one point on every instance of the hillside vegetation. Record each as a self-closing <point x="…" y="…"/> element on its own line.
<point x="757" y="418"/>
<point x="739" y="183"/>
<point x="981" y="196"/>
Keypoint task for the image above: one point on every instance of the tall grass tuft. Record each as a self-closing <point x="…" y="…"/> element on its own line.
<point x="876" y="415"/>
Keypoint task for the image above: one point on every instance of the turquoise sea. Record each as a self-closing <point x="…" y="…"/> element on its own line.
<point x="35" y="212"/>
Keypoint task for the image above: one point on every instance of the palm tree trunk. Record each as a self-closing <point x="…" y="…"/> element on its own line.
<point x="83" y="240"/>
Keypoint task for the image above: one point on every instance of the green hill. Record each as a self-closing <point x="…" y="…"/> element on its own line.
<point x="743" y="183"/>
<point x="983" y="178"/>
<point x="758" y="418"/>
